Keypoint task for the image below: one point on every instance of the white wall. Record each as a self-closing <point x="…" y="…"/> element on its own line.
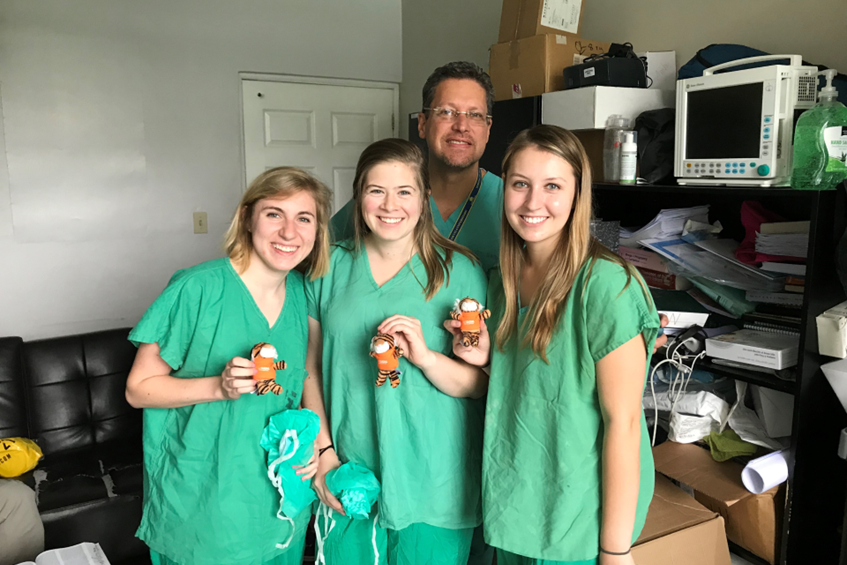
<point x="121" y="118"/>
<point x="436" y="32"/>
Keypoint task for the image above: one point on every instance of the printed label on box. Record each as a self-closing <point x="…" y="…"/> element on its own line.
<point x="561" y="14"/>
<point x="517" y="91"/>
<point x="589" y="72"/>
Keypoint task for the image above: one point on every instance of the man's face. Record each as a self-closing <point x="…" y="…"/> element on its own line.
<point x="460" y="142"/>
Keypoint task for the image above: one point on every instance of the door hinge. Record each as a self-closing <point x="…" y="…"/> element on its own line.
<point x="392" y="123"/>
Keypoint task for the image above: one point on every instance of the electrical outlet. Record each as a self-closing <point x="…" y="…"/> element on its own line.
<point x="200" y="223"/>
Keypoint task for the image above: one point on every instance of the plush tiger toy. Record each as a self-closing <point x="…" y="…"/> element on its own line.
<point x="469" y="312"/>
<point x="387" y="357"/>
<point x="263" y="355"/>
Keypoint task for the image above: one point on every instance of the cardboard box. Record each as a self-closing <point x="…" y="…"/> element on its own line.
<point x="661" y="69"/>
<point x="680" y="531"/>
<point x="533" y="66"/>
<point x="591" y="106"/>
<point x="752" y="521"/>
<point x="525" y="18"/>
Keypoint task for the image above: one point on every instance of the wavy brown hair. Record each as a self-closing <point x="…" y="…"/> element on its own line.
<point x="273" y="183"/>
<point x="575" y="247"/>
<point x="428" y="242"/>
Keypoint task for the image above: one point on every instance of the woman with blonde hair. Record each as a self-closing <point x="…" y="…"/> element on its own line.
<point x="567" y="467"/>
<point x="420" y="434"/>
<point x="207" y="497"/>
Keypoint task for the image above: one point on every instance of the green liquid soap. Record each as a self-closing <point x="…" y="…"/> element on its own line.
<point x="820" y="143"/>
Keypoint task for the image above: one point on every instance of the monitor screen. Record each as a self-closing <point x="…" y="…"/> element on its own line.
<point x="724" y="123"/>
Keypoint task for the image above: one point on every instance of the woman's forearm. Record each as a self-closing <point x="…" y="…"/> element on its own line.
<point x="165" y="391"/>
<point x="455" y="378"/>
<point x="621" y="481"/>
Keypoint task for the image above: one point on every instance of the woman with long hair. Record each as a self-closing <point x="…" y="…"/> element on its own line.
<point x="413" y="422"/>
<point x="567" y="467"/>
<point x="207" y="497"/>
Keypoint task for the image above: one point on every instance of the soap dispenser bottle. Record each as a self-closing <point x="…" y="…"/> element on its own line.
<point x="820" y="142"/>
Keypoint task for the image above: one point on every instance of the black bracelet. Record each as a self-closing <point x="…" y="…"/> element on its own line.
<point x="627" y="552"/>
<point x="321" y="450"/>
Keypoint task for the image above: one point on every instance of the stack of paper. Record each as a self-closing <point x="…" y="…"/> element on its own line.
<point x="788" y="239"/>
<point x="666" y="225"/>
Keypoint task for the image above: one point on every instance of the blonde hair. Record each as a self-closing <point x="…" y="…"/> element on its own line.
<point x="574" y="248"/>
<point x="427" y="238"/>
<point x="274" y="183"/>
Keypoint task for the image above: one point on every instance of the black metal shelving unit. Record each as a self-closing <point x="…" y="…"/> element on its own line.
<point x="815" y="495"/>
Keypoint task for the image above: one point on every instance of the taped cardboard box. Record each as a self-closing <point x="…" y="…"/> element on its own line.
<point x="533" y="66"/>
<point x="752" y="521"/>
<point x="525" y="18"/>
<point x="680" y="531"/>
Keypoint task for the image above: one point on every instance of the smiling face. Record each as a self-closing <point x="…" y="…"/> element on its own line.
<point x="283" y="231"/>
<point x="392" y="201"/>
<point x="539" y="196"/>
<point x="459" y="143"/>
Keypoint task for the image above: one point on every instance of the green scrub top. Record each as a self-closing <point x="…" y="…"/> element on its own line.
<point x="423" y="445"/>
<point x="480" y="232"/>
<point x="207" y="496"/>
<point x="542" y="472"/>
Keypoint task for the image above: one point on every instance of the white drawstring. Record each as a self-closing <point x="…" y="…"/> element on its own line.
<point x="276" y="480"/>
<point x="373" y="539"/>
<point x="329" y="524"/>
<point x="324" y="510"/>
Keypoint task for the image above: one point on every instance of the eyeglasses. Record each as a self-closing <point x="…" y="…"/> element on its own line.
<point x="451" y="115"/>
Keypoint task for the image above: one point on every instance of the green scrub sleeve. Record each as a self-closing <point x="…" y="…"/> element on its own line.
<point x="313" y="298"/>
<point x="617" y="307"/>
<point x="171" y="320"/>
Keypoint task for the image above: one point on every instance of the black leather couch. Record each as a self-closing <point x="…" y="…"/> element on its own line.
<point x="67" y="394"/>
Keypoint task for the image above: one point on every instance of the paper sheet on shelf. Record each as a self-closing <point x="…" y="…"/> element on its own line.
<point x="668" y="223"/>
<point x="746" y="423"/>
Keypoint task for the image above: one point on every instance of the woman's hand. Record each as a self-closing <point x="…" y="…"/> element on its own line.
<point x="606" y="559"/>
<point x="237" y="378"/>
<point x="326" y="463"/>
<point x="308" y="470"/>
<point x="408" y="335"/>
<point x="478" y="356"/>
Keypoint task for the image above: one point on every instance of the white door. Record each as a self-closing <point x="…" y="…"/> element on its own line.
<point x="321" y="128"/>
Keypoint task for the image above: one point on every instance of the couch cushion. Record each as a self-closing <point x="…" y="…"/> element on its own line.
<point x="12" y="405"/>
<point x="75" y="386"/>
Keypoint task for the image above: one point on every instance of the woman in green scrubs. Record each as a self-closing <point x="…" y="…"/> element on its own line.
<point x="207" y="496"/>
<point x="567" y="467"/>
<point x="422" y="439"/>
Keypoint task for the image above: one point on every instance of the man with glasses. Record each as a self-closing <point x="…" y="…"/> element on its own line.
<point x="455" y="121"/>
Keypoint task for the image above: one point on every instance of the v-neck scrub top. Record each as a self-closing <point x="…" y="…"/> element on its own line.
<point x="423" y="445"/>
<point x="542" y="460"/>
<point x="207" y="496"/>
<point x="480" y="233"/>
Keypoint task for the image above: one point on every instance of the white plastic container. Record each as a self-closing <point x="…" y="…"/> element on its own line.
<point x="616" y="126"/>
<point x="629" y="157"/>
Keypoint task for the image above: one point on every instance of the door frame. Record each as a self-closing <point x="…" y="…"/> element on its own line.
<point x="299" y="79"/>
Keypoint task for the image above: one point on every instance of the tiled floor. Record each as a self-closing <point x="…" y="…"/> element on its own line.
<point x="738" y="560"/>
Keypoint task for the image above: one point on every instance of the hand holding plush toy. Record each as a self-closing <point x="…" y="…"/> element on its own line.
<point x="469" y="312"/>
<point x="387" y="357"/>
<point x="263" y="355"/>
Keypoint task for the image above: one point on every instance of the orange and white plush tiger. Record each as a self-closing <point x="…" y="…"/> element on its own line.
<point x="263" y="355"/>
<point x="469" y="312"/>
<point x="387" y="357"/>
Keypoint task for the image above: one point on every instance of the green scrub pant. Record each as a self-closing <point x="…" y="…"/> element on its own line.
<point x="351" y="542"/>
<point x="506" y="558"/>
<point x="291" y="556"/>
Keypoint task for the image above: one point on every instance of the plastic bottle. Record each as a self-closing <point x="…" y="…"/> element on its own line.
<point x="612" y="140"/>
<point x="629" y="157"/>
<point x="820" y="142"/>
